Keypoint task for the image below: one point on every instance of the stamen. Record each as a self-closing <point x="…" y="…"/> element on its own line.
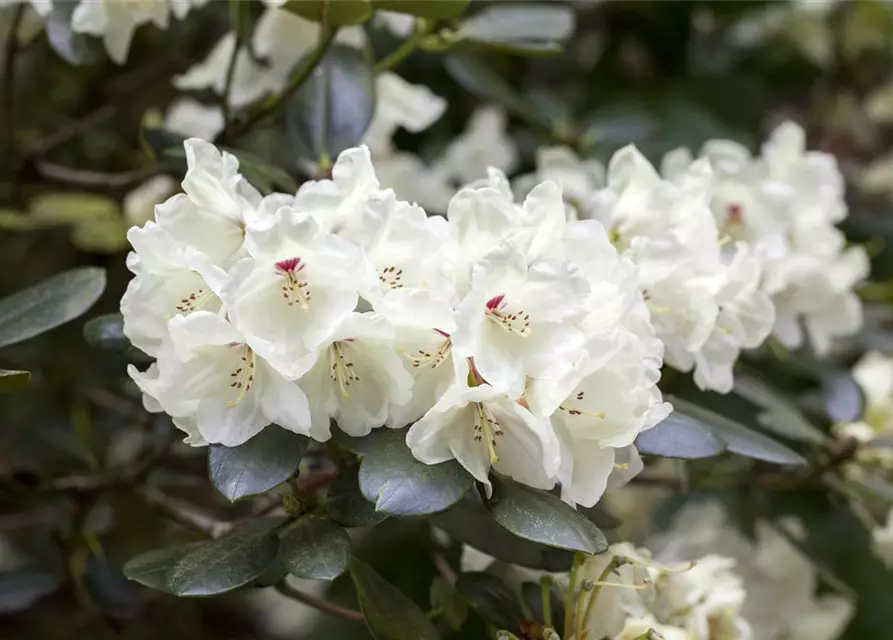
<point x="574" y="411"/>
<point x="243" y="376"/>
<point x="621" y="467"/>
<point x="295" y="288"/>
<point x="428" y="359"/>
<point x="194" y="301"/>
<point x="392" y="277"/>
<point x="513" y="322"/>
<point x="726" y="239"/>
<point x="342" y="370"/>
<point x="662" y="568"/>
<point x="487" y="427"/>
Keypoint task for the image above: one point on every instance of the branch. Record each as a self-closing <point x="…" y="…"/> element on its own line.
<point x="9" y="66"/>
<point x="402" y="52"/>
<point x="184" y="513"/>
<point x="87" y="178"/>
<point x="443" y="567"/>
<point x="318" y="603"/>
<point x="236" y="24"/>
<point x="326" y="37"/>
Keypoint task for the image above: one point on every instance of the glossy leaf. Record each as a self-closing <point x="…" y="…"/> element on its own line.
<point x="471" y="523"/>
<point x="540" y="517"/>
<point x="224" y="564"/>
<point x="433" y="9"/>
<point x="151" y="568"/>
<point x="520" y="28"/>
<point x="333" y="12"/>
<point x="261" y="174"/>
<point x="334" y="107"/>
<point x="265" y="461"/>
<point x="106" y="332"/>
<point x="345" y="503"/>
<point x="400" y="485"/>
<point x="13" y="381"/>
<point x="49" y="304"/>
<point x="315" y="548"/>
<point x="453" y="607"/>
<point x="492" y="599"/>
<point x="20" y="588"/>
<point x="844" y="399"/>
<point x="780" y="416"/>
<point x="679" y="436"/>
<point x="389" y="614"/>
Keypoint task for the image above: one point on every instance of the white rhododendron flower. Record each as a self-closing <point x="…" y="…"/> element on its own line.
<point x="484" y="144"/>
<point x="192" y="119"/>
<point x="785" y="203"/>
<point x="280" y="39"/>
<point x="579" y="179"/>
<point x="874" y="375"/>
<point x="116" y="21"/>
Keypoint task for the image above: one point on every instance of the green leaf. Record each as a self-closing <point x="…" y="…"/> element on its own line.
<point x="333" y="108"/>
<point x="49" y="304"/>
<point x="166" y="147"/>
<point x="152" y="567"/>
<point x="400" y="485"/>
<point x="265" y="461"/>
<point x="844" y="399"/>
<point x="263" y="175"/>
<point x="20" y="588"/>
<point x="482" y="81"/>
<point x="13" y="381"/>
<point x="541" y="517"/>
<point x="106" y="332"/>
<point x="492" y="599"/>
<point x="679" y="436"/>
<point x="780" y="415"/>
<point x="315" y="548"/>
<point x="333" y="12"/>
<point x="444" y="597"/>
<point x="433" y="9"/>
<point x="520" y="28"/>
<point x="692" y="431"/>
<point x="224" y="564"/>
<point x="390" y="615"/>
<point x="471" y="523"/>
<point x="345" y="503"/>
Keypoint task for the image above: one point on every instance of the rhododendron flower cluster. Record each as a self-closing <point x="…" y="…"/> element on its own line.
<point x="510" y="338"/>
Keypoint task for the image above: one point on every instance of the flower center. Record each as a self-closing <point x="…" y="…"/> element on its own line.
<point x="486" y="426"/>
<point x="194" y="301"/>
<point x="512" y="321"/>
<point x="243" y="376"/>
<point x="342" y="371"/>
<point x="734" y="214"/>
<point x="295" y="289"/>
<point x="392" y="277"/>
<point x="432" y="359"/>
<point x="576" y="411"/>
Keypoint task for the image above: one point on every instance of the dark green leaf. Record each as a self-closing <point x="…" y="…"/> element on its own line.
<point x="21" y="588"/>
<point x="780" y="416"/>
<point x="492" y="599"/>
<point x="539" y="516"/>
<point x="265" y="461"/>
<point x="334" y="107"/>
<point x="106" y="332"/>
<point x="315" y="548"/>
<point x="481" y="80"/>
<point x="166" y="147"/>
<point x="679" y="436"/>
<point x="224" y="564"/>
<point x="108" y="587"/>
<point x="618" y="125"/>
<point x="532" y="593"/>
<point x="843" y="397"/>
<point x="520" y="27"/>
<point x="49" y="304"/>
<point x="433" y="9"/>
<point x="471" y="523"/>
<point x="444" y="597"/>
<point x="345" y="503"/>
<point x="333" y="12"/>
<point x="73" y="47"/>
<point x="13" y="381"/>
<point x="263" y="175"/>
<point x="400" y="485"/>
<point x="272" y="575"/>
<point x="152" y="567"/>
<point x="390" y="615"/>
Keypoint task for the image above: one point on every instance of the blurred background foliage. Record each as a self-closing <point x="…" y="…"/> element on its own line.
<point x="78" y="137"/>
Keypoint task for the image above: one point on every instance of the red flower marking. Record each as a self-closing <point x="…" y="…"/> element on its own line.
<point x="734" y="213"/>
<point x="443" y="333"/>
<point x="493" y="303"/>
<point x="289" y="265"/>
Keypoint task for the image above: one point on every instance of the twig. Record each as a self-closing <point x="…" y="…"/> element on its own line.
<point x="108" y="400"/>
<point x="235" y="8"/>
<point x="399" y="54"/>
<point x="87" y="178"/>
<point x="183" y="513"/>
<point x="73" y="129"/>
<point x="326" y="37"/>
<point x="444" y="569"/>
<point x="12" y="49"/>
<point x="317" y="480"/>
<point x="318" y="603"/>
